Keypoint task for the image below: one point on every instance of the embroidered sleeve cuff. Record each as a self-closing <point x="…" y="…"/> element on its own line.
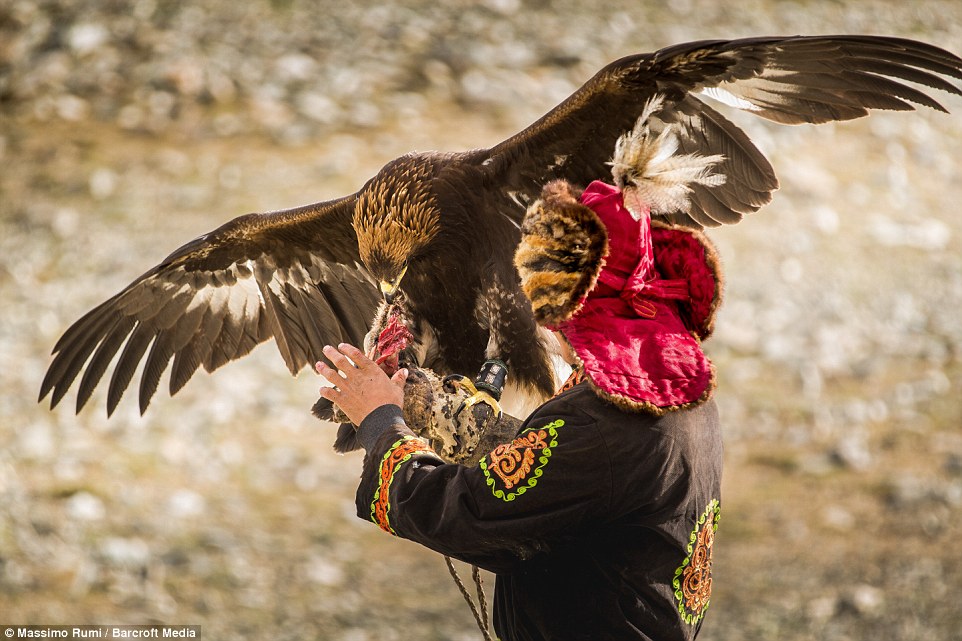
<point x="377" y="422"/>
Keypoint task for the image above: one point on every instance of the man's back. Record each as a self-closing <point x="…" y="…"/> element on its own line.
<point x="640" y="567"/>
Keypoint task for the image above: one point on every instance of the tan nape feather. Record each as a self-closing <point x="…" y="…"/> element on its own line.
<point x="396" y="213"/>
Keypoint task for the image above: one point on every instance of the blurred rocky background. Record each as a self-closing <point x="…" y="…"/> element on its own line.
<point x="127" y="128"/>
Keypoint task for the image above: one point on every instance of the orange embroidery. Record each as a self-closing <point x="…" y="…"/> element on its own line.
<point x="518" y="464"/>
<point x="696" y="579"/>
<point x="400" y="452"/>
<point x="577" y="375"/>
<point x="511" y="463"/>
<point x="692" y="581"/>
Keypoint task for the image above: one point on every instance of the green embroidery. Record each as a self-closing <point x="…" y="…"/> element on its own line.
<point x="401" y="451"/>
<point x="692" y="580"/>
<point x="514" y="463"/>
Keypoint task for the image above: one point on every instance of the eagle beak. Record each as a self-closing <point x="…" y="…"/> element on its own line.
<point x="390" y="289"/>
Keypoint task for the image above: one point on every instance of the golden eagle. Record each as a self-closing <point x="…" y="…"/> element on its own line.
<point x="442" y="227"/>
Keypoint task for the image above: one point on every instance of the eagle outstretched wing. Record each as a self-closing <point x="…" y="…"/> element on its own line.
<point x="293" y="275"/>
<point x="790" y="80"/>
<point x="297" y="275"/>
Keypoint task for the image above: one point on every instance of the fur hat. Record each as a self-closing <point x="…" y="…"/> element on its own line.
<point x="632" y="299"/>
<point x="563" y="247"/>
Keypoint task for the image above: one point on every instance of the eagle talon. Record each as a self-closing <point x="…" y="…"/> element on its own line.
<point x="455" y="382"/>
<point x="480" y="396"/>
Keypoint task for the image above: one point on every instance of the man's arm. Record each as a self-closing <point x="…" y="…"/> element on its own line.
<point x="520" y="499"/>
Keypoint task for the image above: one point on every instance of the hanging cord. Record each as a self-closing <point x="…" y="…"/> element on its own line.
<point x="482" y="616"/>
<point x="482" y="601"/>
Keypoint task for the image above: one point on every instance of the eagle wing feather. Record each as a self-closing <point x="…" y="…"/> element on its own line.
<point x="293" y="275"/>
<point x="790" y="80"/>
<point x="296" y="275"/>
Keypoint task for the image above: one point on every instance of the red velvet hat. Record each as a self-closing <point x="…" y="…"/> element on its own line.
<point x="632" y="299"/>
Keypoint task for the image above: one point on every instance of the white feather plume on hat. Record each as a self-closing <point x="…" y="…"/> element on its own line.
<point x="648" y="170"/>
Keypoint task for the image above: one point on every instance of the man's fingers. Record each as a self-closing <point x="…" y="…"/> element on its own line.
<point x="328" y="372"/>
<point x="323" y="369"/>
<point x="330" y="393"/>
<point x="359" y="358"/>
<point x="360" y="385"/>
<point x="340" y="361"/>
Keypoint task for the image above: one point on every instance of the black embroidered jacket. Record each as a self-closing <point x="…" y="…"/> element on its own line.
<point x="598" y="523"/>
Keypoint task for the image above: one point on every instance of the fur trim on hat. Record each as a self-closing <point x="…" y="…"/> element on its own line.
<point x="562" y="250"/>
<point x="629" y="405"/>
<point x="700" y="264"/>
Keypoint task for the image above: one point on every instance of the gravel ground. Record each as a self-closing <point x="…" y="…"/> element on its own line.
<point x="127" y="128"/>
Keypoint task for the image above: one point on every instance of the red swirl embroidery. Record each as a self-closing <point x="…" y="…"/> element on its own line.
<point x="520" y="463"/>
<point x="577" y="376"/>
<point x="399" y="452"/>
<point x="696" y="579"/>
<point x="512" y="461"/>
<point x="693" y="579"/>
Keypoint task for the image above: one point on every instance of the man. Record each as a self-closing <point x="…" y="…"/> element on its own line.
<point x="599" y="518"/>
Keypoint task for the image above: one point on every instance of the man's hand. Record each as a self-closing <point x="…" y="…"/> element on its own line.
<point x="360" y="386"/>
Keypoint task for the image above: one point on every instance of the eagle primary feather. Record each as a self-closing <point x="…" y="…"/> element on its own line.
<point x="448" y="222"/>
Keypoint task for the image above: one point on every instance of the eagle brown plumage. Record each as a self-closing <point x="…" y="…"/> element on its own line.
<point x="448" y="222"/>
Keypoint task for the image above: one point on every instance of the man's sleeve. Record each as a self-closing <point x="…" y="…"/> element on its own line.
<point x="523" y="496"/>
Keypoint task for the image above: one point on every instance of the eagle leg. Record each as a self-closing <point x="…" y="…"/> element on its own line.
<point x="455" y="382"/>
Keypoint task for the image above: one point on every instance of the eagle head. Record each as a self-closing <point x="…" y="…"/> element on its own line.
<point x="396" y="217"/>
